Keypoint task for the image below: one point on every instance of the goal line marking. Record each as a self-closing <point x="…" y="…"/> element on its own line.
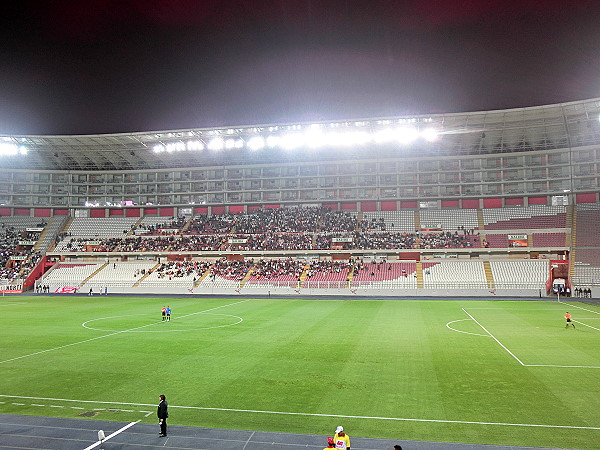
<point x="342" y="416"/>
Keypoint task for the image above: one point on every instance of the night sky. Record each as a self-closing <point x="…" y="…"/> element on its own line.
<point x="91" y="66"/>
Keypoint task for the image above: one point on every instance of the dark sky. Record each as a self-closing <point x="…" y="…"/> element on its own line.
<point x="92" y="66"/>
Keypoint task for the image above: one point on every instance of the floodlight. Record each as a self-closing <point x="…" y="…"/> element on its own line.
<point x="174" y="147"/>
<point x="291" y="141"/>
<point x="384" y="135"/>
<point x="315" y="138"/>
<point x="7" y="148"/>
<point x="273" y="141"/>
<point x="216" y="144"/>
<point x="361" y="137"/>
<point x="158" y="148"/>
<point x="429" y="134"/>
<point x="406" y="135"/>
<point x="23" y="150"/>
<point x="256" y="143"/>
<point x="195" y="145"/>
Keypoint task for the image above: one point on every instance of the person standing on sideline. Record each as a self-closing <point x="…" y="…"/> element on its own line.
<point x="397" y="447"/>
<point x="163" y="312"/>
<point x="330" y="443"/>
<point x="341" y="439"/>
<point x="163" y="413"/>
<point x="568" y="317"/>
<point x="168" y="313"/>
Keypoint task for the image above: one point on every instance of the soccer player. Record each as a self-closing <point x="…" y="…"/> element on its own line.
<point x="168" y="313"/>
<point x="568" y="317"/>
<point x="163" y="312"/>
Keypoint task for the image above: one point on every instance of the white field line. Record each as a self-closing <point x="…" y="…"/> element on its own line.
<point x="579" y="307"/>
<point x="532" y="365"/>
<point x="170" y="330"/>
<point x="519" y="309"/>
<point x="466" y="332"/>
<point x="111" y="334"/>
<point x="342" y="416"/>
<point x="494" y="337"/>
<point x="585" y="309"/>
<point x="120" y="430"/>
<point x="586" y="325"/>
<point x="563" y="367"/>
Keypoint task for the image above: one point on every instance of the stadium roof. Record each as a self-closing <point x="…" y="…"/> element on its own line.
<point x="559" y="126"/>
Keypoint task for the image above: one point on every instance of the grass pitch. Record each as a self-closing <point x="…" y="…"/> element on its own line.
<point x="473" y="371"/>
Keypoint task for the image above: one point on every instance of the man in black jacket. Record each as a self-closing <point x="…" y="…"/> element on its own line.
<point x="163" y="413"/>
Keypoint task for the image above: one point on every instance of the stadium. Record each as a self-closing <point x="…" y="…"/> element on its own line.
<point x="421" y="234"/>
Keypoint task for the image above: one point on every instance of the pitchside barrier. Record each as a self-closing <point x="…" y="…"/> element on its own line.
<point x="229" y="287"/>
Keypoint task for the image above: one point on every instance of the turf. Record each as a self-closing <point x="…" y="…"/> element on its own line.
<point x="470" y="371"/>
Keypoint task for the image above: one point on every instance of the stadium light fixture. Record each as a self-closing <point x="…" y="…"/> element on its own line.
<point x="174" y="147"/>
<point x="272" y="141"/>
<point x="314" y="138"/>
<point x="195" y="145"/>
<point x="429" y="134"/>
<point x="256" y="143"/>
<point x="406" y="135"/>
<point x="384" y="136"/>
<point x="8" y="149"/>
<point x="291" y="141"/>
<point x="216" y="144"/>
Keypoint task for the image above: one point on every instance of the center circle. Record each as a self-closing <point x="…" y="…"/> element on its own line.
<point x="135" y="323"/>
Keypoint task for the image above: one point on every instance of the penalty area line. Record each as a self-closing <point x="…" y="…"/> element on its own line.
<point x="341" y="416"/>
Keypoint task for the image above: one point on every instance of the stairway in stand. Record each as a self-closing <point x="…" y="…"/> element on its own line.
<point x="489" y="276"/>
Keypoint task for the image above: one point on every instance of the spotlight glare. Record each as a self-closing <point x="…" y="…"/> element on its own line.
<point x="315" y="138"/>
<point x="216" y="144"/>
<point x="384" y="136"/>
<point x="195" y="145"/>
<point x="256" y="143"/>
<point x="273" y="141"/>
<point x="406" y="135"/>
<point x="292" y="141"/>
<point x="430" y="134"/>
<point x="8" y="149"/>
